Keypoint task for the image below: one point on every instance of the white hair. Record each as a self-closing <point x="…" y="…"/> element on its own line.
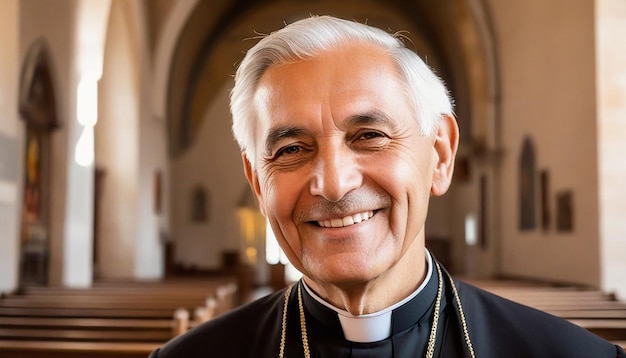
<point x="307" y="38"/>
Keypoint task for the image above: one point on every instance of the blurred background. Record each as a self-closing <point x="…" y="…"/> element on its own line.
<point x="117" y="161"/>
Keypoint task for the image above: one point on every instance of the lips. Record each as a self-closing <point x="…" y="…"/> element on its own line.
<point x="346" y="221"/>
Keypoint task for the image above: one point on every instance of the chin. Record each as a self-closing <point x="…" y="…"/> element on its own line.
<point x="347" y="274"/>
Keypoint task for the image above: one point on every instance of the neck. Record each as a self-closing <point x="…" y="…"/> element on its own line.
<point x="381" y="292"/>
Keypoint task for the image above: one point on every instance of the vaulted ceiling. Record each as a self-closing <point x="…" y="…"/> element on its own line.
<point x="451" y="35"/>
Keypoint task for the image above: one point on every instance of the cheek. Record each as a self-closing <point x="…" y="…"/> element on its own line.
<point x="278" y="196"/>
<point x="407" y="180"/>
<point x="279" y="201"/>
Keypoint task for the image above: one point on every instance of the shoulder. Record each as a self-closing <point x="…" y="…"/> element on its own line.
<point x="240" y="332"/>
<point x="500" y="327"/>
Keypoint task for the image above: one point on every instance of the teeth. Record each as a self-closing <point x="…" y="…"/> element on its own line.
<point x="336" y="223"/>
<point x="347" y="221"/>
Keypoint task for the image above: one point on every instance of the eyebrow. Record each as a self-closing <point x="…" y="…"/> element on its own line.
<point x="279" y="133"/>
<point x="372" y="117"/>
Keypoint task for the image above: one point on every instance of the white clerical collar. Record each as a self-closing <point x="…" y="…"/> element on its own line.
<point x="375" y="326"/>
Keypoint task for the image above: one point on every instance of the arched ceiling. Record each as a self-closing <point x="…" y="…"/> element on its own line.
<point x="213" y="41"/>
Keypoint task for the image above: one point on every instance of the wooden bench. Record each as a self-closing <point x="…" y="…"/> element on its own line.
<point x="183" y="287"/>
<point x="593" y="310"/>
<point x="96" y="335"/>
<point x="592" y="305"/>
<point x="56" y="349"/>
<point x="146" y="329"/>
<point x="43" y="322"/>
<point x="151" y="313"/>
<point x="102" y="303"/>
<point x="610" y="329"/>
<point x="104" y="322"/>
<point x="51" y="337"/>
<point x="584" y="313"/>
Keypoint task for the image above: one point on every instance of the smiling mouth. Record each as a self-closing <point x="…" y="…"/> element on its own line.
<point x="347" y="221"/>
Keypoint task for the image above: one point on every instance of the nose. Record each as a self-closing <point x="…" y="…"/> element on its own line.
<point x="335" y="173"/>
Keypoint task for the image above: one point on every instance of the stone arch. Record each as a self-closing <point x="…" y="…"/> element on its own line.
<point x="164" y="53"/>
<point x="455" y="36"/>
<point x="37" y="99"/>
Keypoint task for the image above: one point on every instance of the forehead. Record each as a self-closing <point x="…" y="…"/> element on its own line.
<point x="349" y="67"/>
<point x="338" y="84"/>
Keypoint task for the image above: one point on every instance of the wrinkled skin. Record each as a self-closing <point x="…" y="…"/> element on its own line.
<point x="338" y="142"/>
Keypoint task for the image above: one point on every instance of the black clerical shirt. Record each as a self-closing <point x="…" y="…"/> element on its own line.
<point x="496" y="328"/>
<point x="410" y="327"/>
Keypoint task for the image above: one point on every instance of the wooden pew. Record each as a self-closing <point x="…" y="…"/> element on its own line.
<point x="598" y="312"/>
<point x="151" y="313"/>
<point x="104" y="322"/>
<point x="583" y="313"/>
<point x="56" y="349"/>
<point x="104" y="338"/>
<point x="89" y="329"/>
<point x="43" y="322"/>
<point x="106" y="335"/>
<point x="610" y="329"/>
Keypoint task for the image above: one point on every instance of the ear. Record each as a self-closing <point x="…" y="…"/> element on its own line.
<point x="253" y="180"/>
<point x="446" y="145"/>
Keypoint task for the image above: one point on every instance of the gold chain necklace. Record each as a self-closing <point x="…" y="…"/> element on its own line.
<point x="430" y="350"/>
<point x="283" y="333"/>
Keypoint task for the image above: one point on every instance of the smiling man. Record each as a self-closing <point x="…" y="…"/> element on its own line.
<point x="344" y="173"/>
<point x="345" y="135"/>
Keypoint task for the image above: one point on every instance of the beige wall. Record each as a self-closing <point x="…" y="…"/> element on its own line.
<point x="37" y="21"/>
<point x="131" y="149"/>
<point x="137" y="253"/>
<point x="117" y="151"/>
<point x="611" y="72"/>
<point x="546" y="52"/>
<point x="549" y="90"/>
<point x="11" y="143"/>
<point x="215" y="163"/>
<point x="153" y="226"/>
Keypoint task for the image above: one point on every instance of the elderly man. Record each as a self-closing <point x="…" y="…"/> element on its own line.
<point x="345" y="135"/>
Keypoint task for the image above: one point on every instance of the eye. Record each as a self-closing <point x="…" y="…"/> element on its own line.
<point x="370" y="140"/>
<point x="370" y="135"/>
<point x="290" y="156"/>
<point x="292" y="149"/>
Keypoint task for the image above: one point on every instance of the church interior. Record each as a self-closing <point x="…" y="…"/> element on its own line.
<point x="118" y="167"/>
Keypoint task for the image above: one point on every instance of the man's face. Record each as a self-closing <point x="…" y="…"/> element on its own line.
<point x="343" y="174"/>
